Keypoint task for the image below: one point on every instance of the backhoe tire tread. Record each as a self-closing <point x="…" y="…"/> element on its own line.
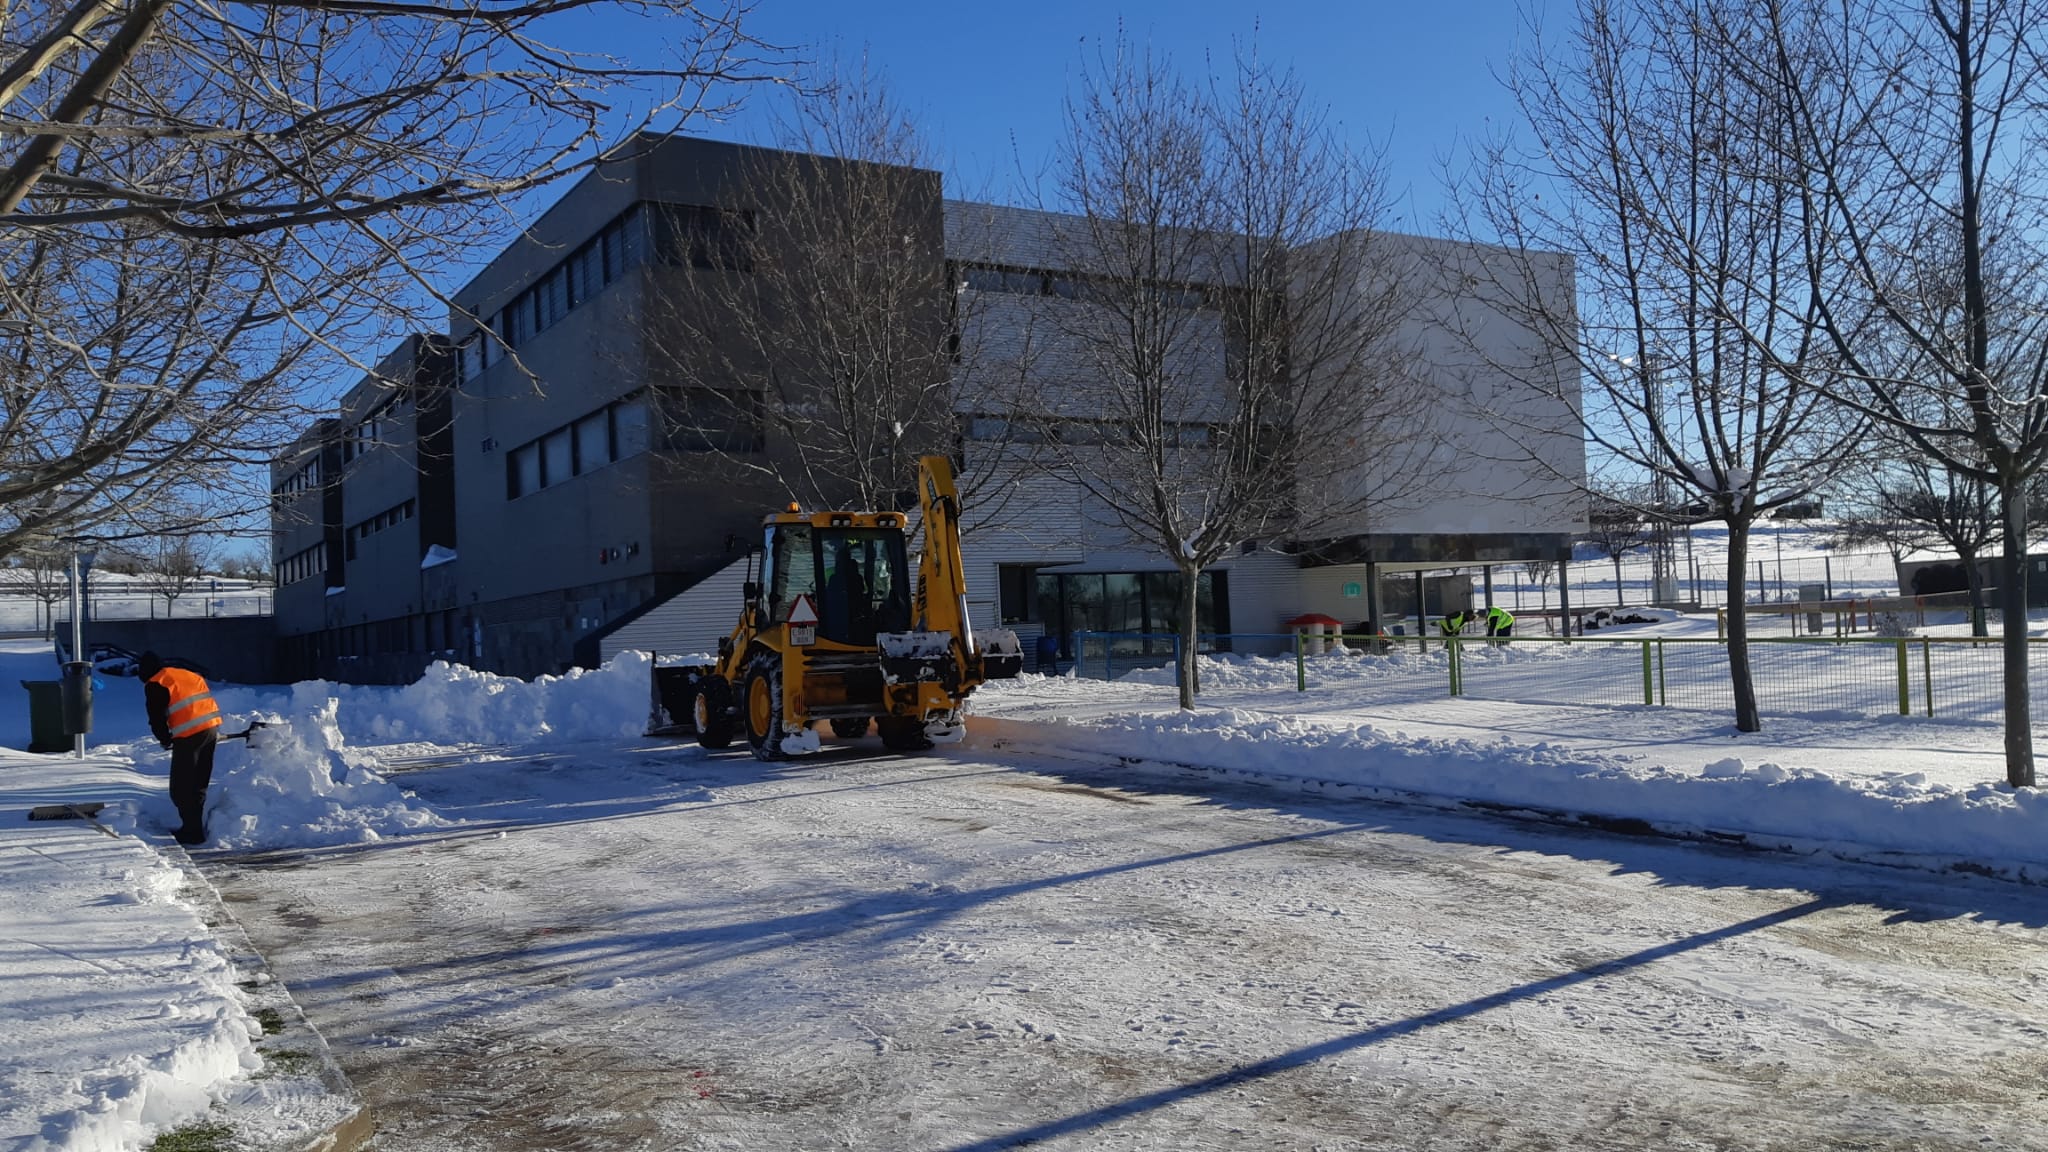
<point x="903" y="734"/>
<point x="713" y="713"/>
<point x="763" y="675"/>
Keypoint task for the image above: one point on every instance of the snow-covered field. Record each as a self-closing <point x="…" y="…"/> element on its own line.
<point x="1100" y="923"/>
<point x="118" y="597"/>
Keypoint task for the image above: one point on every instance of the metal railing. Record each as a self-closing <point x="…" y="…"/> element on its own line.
<point x="1952" y="677"/>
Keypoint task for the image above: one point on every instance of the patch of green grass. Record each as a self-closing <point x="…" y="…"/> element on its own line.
<point x="271" y="1019"/>
<point x="285" y="1062"/>
<point x="201" y="1137"/>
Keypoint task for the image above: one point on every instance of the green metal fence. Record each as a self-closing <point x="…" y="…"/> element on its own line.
<point x="1951" y="677"/>
<point x="1948" y="677"/>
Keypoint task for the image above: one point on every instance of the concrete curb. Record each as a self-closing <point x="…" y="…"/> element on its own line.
<point x="266" y="992"/>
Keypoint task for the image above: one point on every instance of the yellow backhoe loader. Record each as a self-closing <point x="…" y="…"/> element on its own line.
<point x="831" y="631"/>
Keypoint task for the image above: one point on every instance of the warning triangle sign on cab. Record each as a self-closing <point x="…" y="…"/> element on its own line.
<point x="802" y="611"/>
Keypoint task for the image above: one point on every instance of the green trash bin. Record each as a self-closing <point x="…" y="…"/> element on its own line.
<point x="46" y="716"/>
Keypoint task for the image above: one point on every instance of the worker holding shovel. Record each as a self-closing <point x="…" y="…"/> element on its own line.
<point x="184" y="719"/>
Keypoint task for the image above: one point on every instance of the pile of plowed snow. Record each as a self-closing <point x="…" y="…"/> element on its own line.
<point x="306" y="779"/>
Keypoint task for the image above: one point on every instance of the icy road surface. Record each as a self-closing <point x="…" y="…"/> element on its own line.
<point x="967" y="952"/>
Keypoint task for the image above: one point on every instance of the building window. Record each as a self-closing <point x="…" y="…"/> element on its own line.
<point x="704" y="237"/>
<point x="376" y="428"/>
<point x="553" y="299"/>
<point x="557" y="461"/>
<point x="1013" y="281"/>
<point x="593" y="441"/>
<point x="307" y="477"/>
<point x="570" y="283"/>
<point x="469" y="359"/>
<point x="390" y="517"/>
<point x="522" y="470"/>
<point x="302" y="564"/>
<point x="629" y="428"/>
<point x="1075" y="286"/>
<point x="611" y="433"/>
<point x="1139" y="610"/>
<point x="1016" y="584"/>
<point x="713" y="420"/>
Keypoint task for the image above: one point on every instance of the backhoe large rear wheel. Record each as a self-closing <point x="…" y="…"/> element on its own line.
<point x="761" y="706"/>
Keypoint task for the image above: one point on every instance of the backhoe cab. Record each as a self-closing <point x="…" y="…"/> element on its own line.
<point x="832" y="630"/>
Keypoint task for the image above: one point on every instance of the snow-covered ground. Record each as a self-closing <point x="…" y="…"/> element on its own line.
<point x="1104" y="923"/>
<point x="634" y="945"/>
<point x="124" y="1015"/>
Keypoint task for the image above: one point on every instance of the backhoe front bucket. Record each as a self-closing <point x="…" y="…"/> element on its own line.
<point x="1002" y="655"/>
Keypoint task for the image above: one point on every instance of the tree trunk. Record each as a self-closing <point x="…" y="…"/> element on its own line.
<point x="1974" y="578"/>
<point x="1747" y="719"/>
<point x="1190" y="589"/>
<point x="1620" y="597"/>
<point x="2012" y="596"/>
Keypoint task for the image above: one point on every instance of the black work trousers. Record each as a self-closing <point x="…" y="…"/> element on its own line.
<point x="191" y="772"/>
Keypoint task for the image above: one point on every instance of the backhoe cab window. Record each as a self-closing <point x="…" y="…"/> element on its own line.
<point x="864" y="582"/>
<point x="792" y="571"/>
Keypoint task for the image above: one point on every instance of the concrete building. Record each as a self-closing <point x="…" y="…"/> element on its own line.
<point x="1494" y="477"/>
<point x="581" y="497"/>
<point x="581" y="520"/>
<point x="363" y="519"/>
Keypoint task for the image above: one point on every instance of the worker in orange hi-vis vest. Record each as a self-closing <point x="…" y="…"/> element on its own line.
<point x="184" y="719"/>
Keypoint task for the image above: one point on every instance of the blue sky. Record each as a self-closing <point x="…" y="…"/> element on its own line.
<point x="987" y="81"/>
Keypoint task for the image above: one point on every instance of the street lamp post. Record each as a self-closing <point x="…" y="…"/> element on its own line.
<point x="76" y="685"/>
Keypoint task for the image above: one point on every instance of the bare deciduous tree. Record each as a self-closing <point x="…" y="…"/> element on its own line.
<point x="1907" y="503"/>
<point x="44" y="575"/>
<point x="819" y="344"/>
<point x="181" y="562"/>
<point x="1228" y="309"/>
<point x="802" y="341"/>
<point x="1919" y="130"/>
<point x="203" y="206"/>
<point x="1653" y="164"/>
<point x="1618" y="525"/>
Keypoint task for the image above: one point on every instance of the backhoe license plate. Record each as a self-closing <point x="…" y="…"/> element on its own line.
<point x="803" y="635"/>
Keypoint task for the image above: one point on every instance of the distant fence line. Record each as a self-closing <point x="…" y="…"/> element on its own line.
<point x="21" y="611"/>
<point x="1957" y="677"/>
<point x="1767" y="578"/>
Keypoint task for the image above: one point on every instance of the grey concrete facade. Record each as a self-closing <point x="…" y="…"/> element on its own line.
<point x="576" y="507"/>
<point x="568" y="523"/>
<point x="358" y="505"/>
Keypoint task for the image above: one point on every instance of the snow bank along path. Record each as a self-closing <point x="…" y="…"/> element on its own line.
<point x="123" y="1018"/>
<point x="1896" y="818"/>
<point x="301" y="784"/>
<point x="121" y="1014"/>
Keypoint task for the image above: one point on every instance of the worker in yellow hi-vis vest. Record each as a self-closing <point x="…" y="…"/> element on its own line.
<point x="184" y="719"/>
<point x="1499" y="622"/>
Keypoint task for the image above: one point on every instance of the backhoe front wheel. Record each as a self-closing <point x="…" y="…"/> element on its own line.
<point x="761" y="706"/>
<point x="903" y="734"/>
<point x="713" y="713"/>
<point x="850" y="727"/>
